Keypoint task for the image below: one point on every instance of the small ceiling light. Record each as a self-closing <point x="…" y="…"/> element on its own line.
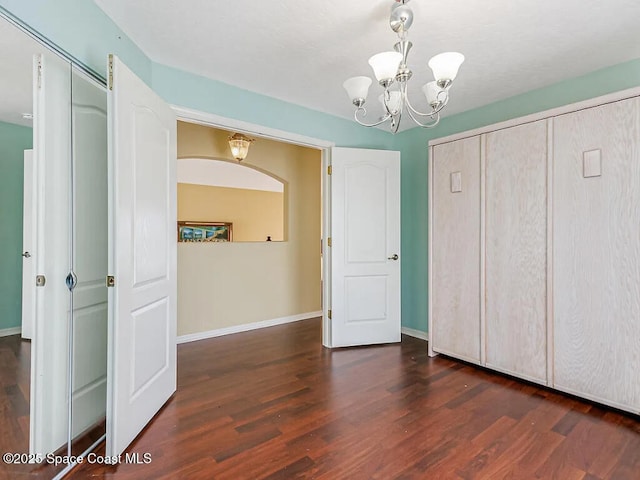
<point x="392" y="68"/>
<point x="239" y="145"/>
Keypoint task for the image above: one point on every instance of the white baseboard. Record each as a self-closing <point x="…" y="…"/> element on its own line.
<point x="415" y="333"/>
<point x="192" y="337"/>
<point x="10" y="331"/>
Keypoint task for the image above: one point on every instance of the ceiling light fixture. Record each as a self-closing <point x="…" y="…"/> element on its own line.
<point x="239" y="145"/>
<point x="390" y="68"/>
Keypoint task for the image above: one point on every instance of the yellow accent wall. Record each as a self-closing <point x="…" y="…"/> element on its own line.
<point x="255" y="214"/>
<point x="224" y="285"/>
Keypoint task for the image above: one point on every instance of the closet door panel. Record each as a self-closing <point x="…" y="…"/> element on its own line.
<point x="456" y="249"/>
<point x="516" y="258"/>
<point x="597" y="253"/>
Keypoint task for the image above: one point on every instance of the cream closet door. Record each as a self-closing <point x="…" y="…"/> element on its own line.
<point x="455" y="315"/>
<point x="596" y="280"/>
<point x="516" y="243"/>
<point x="141" y="373"/>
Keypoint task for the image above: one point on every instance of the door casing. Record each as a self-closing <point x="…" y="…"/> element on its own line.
<point x="217" y="121"/>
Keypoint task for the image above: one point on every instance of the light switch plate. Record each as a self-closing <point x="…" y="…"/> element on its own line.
<point x="456" y="182"/>
<point x="592" y="163"/>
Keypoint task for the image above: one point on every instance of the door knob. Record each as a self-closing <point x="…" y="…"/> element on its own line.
<point x="393" y="257"/>
<point x="26" y="255"/>
<point x="71" y="280"/>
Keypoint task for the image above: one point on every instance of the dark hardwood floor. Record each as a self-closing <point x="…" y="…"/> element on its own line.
<point x="15" y="360"/>
<point x="15" y="377"/>
<point x="273" y="404"/>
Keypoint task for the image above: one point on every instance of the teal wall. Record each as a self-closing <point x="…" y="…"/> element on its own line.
<point x="14" y="140"/>
<point x="187" y="90"/>
<point x="413" y="145"/>
<point x="82" y="29"/>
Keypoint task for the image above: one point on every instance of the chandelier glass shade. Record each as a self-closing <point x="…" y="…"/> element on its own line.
<point x="392" y="73"/>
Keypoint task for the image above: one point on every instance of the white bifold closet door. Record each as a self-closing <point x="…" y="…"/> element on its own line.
<point x="596" y="250"/>
<point x="141" y="356"/>
<point x="48" y="416"/>
<point x="456" y="248"/>
<point x="516" y="257"/>
<point x="90" y="232"/>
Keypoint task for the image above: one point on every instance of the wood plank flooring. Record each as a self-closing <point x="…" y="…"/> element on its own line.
<point x="273" y="404"/>
<point x="15" y="377"/>
<point x="15" y="360"/>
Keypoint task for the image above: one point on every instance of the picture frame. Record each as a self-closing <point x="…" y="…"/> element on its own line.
<point x="205" y="232"/>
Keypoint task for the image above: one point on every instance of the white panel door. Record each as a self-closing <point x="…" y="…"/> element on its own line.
<point x="28" y="242"/>
<point x="455" y="319"/>
<point x="365" y="252"/>
<point x="596" y="252"/>
<point x="89" y="381"/>
<point x="49" y="347"/>
<point x="142" y="330"/>
<point x="516" y="250"/>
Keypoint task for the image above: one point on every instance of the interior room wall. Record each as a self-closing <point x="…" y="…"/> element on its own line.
<point x="225" y="285"/>
<point x="14" y="140"/>
<point x="255" y="214"/>
<point x="82" y="29"/>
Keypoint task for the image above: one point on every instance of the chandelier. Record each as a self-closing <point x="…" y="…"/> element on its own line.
<point x="392" y="73"/>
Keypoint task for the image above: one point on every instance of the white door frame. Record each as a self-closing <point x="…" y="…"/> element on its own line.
<point x="217" y="121"/>
<point x="28" y="243"/>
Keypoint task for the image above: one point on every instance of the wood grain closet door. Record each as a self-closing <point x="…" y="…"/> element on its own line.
<point x="516" y="250"/>
<point x="456" y="249"/>
<point x="596" y="253"/>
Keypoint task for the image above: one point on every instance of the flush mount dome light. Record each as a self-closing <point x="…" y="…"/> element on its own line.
<point x="239" y="145"/>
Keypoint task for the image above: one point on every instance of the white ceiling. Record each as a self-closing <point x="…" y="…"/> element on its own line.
<point x="302" y="51"/>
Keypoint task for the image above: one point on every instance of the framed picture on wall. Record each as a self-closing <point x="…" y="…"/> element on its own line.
<point x="205" y="232"/>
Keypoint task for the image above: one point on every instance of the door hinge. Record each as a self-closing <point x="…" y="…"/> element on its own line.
<point x="111" y="281"/>
<point x="110" y="72"/>
<point x="329" y="314"/>
<point x="39" y="73"/>
<point x="329" y="170"/>
<point x="329" y="241"/>
<point x="41" y="280"/>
